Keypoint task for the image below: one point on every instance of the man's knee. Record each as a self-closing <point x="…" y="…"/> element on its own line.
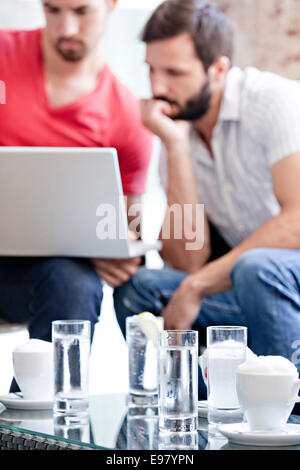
<point x="71" y="283"/>
<point x="150" y="286"/>
<point x="133" y="292"/>
<point x="251" y="264"/>
<point x="145" y="278"/>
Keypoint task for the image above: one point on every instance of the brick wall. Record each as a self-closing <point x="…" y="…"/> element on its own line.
<point x="268" y="34"/>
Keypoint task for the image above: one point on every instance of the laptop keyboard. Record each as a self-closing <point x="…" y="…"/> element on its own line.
<point x="12" y="439"/>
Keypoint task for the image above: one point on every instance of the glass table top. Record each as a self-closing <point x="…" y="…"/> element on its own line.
<point x="112" y="424"/>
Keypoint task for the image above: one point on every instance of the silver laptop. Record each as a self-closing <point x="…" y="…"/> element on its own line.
<point x="64" y="202"/>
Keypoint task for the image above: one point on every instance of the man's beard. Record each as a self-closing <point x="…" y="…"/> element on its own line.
<point x="195" y="107"/>
<point x="71" y="54"/>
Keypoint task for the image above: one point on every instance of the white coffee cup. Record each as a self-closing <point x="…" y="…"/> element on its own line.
<point x="33" y="369"/>
<point x="267" y="390"/>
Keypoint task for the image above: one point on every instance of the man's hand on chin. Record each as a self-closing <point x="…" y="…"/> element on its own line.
<point x="156" y="116"/>
<point x="184" y="307"/>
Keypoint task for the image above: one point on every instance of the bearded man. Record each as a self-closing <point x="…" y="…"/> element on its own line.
<point x="231" y="142"/>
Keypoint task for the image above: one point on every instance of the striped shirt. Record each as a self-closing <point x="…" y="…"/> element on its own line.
<point x="258" y="125"/>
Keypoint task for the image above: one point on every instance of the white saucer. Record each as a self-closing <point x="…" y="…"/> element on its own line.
<point x="202" y="409"/>
<point x="239" y="433"/>
<point x="16" y="401"/>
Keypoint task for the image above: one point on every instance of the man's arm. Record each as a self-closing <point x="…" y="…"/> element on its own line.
<point x="282" y="231"/>
<point x="183" y="227"/>
<point x="117" y="271"/>
<point x="181" y="192"/>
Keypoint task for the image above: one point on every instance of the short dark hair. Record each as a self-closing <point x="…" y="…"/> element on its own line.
<point x="211" y="30"/>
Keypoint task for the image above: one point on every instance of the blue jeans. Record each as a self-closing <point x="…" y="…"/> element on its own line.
<point x="265" y="298"/>
<point x="36" y="291"/>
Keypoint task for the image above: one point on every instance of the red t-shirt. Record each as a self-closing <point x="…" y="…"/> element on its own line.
<point x="107" y="117"/>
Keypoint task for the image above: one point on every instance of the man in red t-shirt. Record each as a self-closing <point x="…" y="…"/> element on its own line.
<point x="60" y="93"/>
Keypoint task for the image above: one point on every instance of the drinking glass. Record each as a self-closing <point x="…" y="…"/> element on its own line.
<point x="178" y="381"/>
<point x="226" y="350"/>
<point x="142" y="363"/>
<point x="71" y="343"/>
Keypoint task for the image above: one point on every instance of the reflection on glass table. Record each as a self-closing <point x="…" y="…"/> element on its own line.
<point x="141" y="428"/>
<point x="113" y="424"/>
<point x="76" y="430"/>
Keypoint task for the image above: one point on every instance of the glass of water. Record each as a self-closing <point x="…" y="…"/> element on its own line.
<point x="142" y="342"/>
<point x="71" y="344"/>
<point x="178" y="381"/>
<point x="226" y="350"/>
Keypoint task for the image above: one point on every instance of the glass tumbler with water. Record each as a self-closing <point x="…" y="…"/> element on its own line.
<point x="178" y="381"/>
<point x="142" y="340"/>
<point x="71" y="343"/>
<point x="226" y="350"/>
